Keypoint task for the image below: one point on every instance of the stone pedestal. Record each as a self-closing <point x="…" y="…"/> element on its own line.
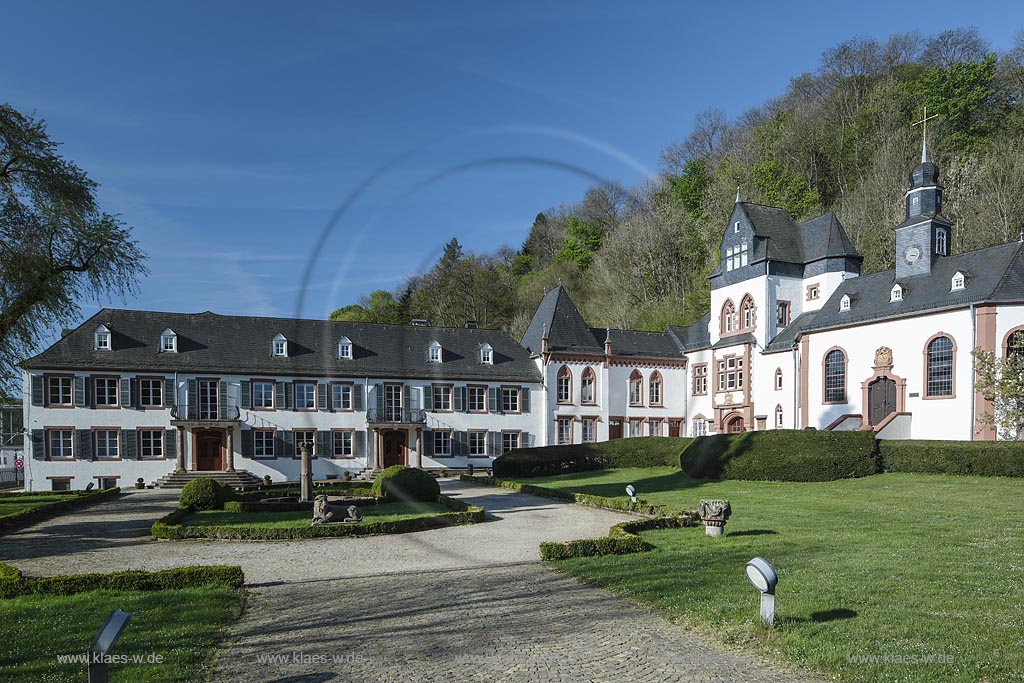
<point x="714" y="514"/>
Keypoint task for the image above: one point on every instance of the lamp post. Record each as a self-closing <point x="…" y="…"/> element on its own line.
<point x="631" y="492"/>
<point x="762" y="577"/>
<point x="103" y="643"/>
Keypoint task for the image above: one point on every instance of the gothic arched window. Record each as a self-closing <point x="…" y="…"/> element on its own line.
<point x="587" y="383"/>
<point x="939" y="354"/>
<point x="564" y="384"/>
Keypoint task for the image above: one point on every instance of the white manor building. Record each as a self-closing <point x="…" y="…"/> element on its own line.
<point x="794" y="338"/>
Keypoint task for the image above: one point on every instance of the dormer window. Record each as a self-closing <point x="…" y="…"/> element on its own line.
<point x="736" y="226"/>
<point x="168" y="341"/>
<point x="940" y="241"/>
<point x="279" y="347"/>
<point x="434" y="352"/>
<point x="896" y="294"/>
<point x="486" y="355"/>
<point x="102" y="339"/>
<point x="844" y="303"/>
<point x="736" y="257"/>
<point x="959" y="281"/>
<point x="344" y="349"/>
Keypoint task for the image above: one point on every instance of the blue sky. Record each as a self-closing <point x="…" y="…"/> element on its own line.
<point x="229" y="134"/>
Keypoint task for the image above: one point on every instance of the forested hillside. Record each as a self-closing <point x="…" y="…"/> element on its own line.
<point x="839" y="139"/>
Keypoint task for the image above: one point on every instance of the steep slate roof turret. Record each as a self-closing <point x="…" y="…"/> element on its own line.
<point x="558" y="316"/>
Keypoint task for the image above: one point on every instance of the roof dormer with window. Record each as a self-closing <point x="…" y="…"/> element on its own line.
<point x="434" y="352"/>
<point x="486" y="354"/>
<point x="101" y="339"/>
<point x="958" y="282"/>
<point x="279" y="347"/>
<point x="344" y="349"/>
<point x="168" y="341"/>
<point x="896" y="293"/>
<point x="844" y="303"/>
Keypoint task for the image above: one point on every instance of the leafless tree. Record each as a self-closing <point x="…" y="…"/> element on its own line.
<point x="962" y="44"/>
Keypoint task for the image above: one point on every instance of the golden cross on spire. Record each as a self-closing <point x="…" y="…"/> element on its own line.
<point x="924" y="138"/>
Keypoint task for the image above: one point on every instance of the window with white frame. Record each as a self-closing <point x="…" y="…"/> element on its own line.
<point x="477" y="443"/>
<point x="59" y="443"/>
<point x="564" y="430"/>
<point x="102" y="339"/>
<point x="476" y="399"/>
<point x="835" y="376"/>
<point x="564" y="385"/>
<point x="636" y="389"/>
<point x="778" y="416"/>
<point x="263" y="443"/>
<point x="442" y="394"/>
<point x="434" y="352"/>
<point x="700" y="379"/>
<point x="107" y="443"/>
<point x="341" y="396"/>
<point x="654" y="428"/>
<point x="509" y="441"/>
<point x="304" y="436"/>
<point x="305" y="396"/>
<point x="486" y="355"/>
<point x="59" y="391"/>
<point x="341" y="444"/>
<point x="736" y="256"/>
<point x="700" y="427"/>
<point x="844" y="303"/>
<point x="896" y="294"/>
<point x="635" y="427"/>
<point x="279" y="346"/>
<point x="151" y="392"/>
<point x="442" y="442"/>
<point x="105" y="391"/>
<point x="958" y="282"/>
<point x="510" y="399"/>
<point x="730" y="374"/>
<point x="587" y="382"/>
<point x="778" y="379"/>
<point x="589" y="430"/>
<point x="654" y="389"/>
<point x="344" y="349"/>
<point x="262" y="395"/>
<point x="151" y="443"/>
<point x="168" y="341"/>
<point x="941" y="241"/>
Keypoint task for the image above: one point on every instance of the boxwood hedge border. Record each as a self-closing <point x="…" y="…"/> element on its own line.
<point x="22" y="518"/>
<point x="622" y="539"/>
<point x="13" y="583"/>
<point x="171" y="527"/>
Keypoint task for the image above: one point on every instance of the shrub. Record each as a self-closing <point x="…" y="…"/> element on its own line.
<point x="622" y="539"/>
<point x="648" y="451"/>
<point x="13" y="583"/>
<point x="971" y="458"/>
<point x="202" y="494"/>
<point x="406" y="483"/>
<point x="782" y="455"/>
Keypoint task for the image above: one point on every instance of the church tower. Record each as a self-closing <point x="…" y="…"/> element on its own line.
<point x="923" y="236"/>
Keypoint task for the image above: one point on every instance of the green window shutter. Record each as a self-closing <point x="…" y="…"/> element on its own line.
<point x="129" y="444"/>
<point x="245" y="394"/>
<point x="289" y="396"/>
<point x="358" y="398"/>
<point x="378" y="391"/>
<point x="323" y="443"/>
<point x="124" y="393"/>
<point x="192" y="399"/>
<point x="170" y="393"/>
<point x="38" y="444"/>
<point x="458" y="443"/>
<point x="247" y="447"/>
<point x="524" y="399"/>
<point x="222" y="400"/>
<point x="525" y="440"/>
<point x="171" y="443"/>
<point x="493" y="395"/>
<point x="406" y="399"/>
<point x="359" y="444"/>
<point x="80" y="397"/>
<point x="493" y="444"/>
<point x="37" y="390"/>
<point x="279" y="401"/>
<point x="428" y="444"/>
<point x="428" y="397"/>
<point x="459" y="399"/>
<point x="83" y="444"/>
<point x="288" y="438"/>
<point x="321" y="397"/>
<point x="280" y="447"/>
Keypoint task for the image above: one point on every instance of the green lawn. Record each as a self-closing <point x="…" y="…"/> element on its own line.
<point x="892" y="565"/>
<point x="180" y="626"/>
<point x="10" y="504"/>
<point x="388" y="512"/>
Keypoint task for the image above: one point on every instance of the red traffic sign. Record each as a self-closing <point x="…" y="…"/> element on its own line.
<point x="19" y="464"/>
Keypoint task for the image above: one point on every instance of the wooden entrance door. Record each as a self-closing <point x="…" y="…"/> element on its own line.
<point x="209" y="450"/>
<point x="393" y="448"/>
<point x="614" y="428"/>
<point x="881" y="399"/>
<point x="734" y="425"/>
<point x="673" y="427"/>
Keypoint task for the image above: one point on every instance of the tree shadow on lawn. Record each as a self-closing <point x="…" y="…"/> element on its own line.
<point x="752" y="532"/>
<point x="676" y="481"/>
<point x="823" y="616"/>
<point x="307" y="678"/>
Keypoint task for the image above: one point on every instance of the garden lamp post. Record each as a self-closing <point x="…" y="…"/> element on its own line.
<point x="103" y="643"/>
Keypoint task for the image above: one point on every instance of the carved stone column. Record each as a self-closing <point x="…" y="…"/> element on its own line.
<point x="181" y="450"/>
<point x="229" y="461"/>
<point x="419" y="447"/>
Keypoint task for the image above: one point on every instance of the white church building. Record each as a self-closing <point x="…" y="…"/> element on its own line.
<point x="794" y="338"/>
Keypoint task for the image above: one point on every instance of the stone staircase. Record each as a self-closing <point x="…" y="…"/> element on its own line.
<point x="177" y="480"/>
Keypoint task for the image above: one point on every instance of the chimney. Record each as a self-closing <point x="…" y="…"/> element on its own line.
<point x="470" y="324"/>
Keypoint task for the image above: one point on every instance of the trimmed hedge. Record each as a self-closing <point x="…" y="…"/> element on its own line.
<point x="647" y="451"/>
<point x="14" y="583"/>
<point x="297" y="506"/>
<point x="170" y="527"/>
<point x="75" y="499"/>
<point x="361" y="488"/>
<point x="622" y="539"/>
<point x="969" y="458"/>
<point x="203" y="494"/>
<point x="399" y="482"/>
<point x="782" y="455"/>
<point x="641" y="507"/>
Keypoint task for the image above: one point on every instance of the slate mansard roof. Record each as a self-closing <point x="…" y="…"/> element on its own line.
<point x="558" y="317"/>
<point x="211" y="343"/>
